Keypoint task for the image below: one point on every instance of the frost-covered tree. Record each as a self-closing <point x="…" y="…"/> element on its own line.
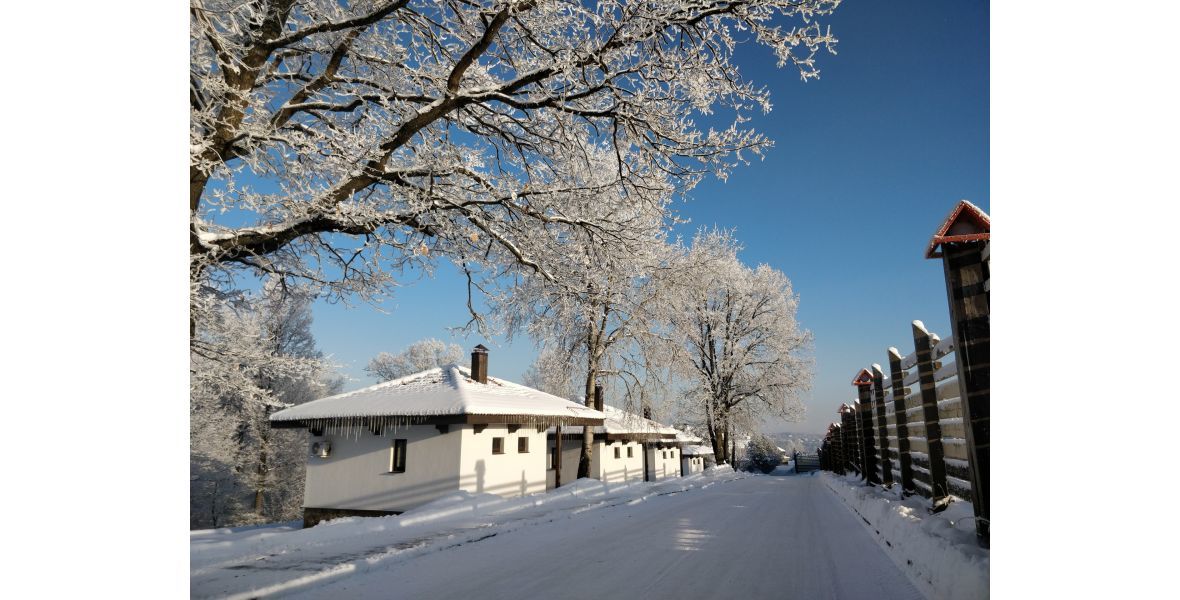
<point x="419" y="356"/>
<point x="339" y="142"/>
<point x="743" y="350"/>
<point x="257" y="356"/>
<point x="762" y="454"/>
<point x="602" y="328"/>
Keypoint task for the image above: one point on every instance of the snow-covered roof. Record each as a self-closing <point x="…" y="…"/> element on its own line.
<point x="965" y="223"/>
<point x="619" y="422"/>
<point x="438" y="392"/>
<point x="687" y="438"/>
<point x="697" y="450"/>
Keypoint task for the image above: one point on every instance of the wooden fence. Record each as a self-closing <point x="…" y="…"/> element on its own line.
<point x="908" y="424"/>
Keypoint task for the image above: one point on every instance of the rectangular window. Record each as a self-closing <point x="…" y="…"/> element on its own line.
<point x="663" y="454"/>
<point x="617" y="452"/>
<point x="630" y="452"/>
<point x="397" y="457"/>
<point x="522" y="445"/>
<point x="498" y="445"/>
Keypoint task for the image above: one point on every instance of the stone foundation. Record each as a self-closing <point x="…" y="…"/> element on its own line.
<point x="312" y="516"/>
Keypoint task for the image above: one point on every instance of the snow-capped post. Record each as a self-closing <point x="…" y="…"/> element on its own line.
<point x="901" y="419"/>
<point x="849" y="438"/>
<point x="924" y="349"/>
<point x="882" y="425"/>
<point x="864" y="410"/>
<point x="963" y="242"/>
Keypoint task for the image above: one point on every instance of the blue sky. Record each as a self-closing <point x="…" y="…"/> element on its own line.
<point x="868" y="161"/>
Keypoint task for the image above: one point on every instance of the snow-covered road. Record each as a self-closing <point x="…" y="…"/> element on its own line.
<point x="758" y="537"/>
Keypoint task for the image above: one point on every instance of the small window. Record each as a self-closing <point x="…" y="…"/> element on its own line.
<point x="522" y="445"/>
<point x="497" y="445"/>
<point x="630" y="452"/>
<point x="618" y="452"/>
<point x="663" y="454"/>
<point x="397" y="457"/>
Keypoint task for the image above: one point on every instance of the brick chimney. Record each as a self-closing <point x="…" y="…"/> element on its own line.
<point x="479" y="364"/>
<point x="598" y="397"/>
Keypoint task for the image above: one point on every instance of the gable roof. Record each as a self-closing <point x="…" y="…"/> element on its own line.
<point x="863" y="378"/>
<point x="621" y="424"/>
<point x="966" y="223"/>
<point x="440" y="392"/>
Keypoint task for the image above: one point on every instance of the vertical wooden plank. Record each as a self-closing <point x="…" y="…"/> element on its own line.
<point x="896" y="376"/>
<point x="924" y="348"/>
<point x="968" y="296"/>
<point x="882" y="428"/>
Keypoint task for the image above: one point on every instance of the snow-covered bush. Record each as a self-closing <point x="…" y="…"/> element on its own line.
<point x="762" y="454"/>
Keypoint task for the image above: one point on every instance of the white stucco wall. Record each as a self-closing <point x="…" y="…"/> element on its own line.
<point x="356" y="474"/>
<point x="691" y="465"/>
<point x="660" y="467"/>
<point x="509" y="474"/>
<point x="603" y="464"/>
<point x="618" y="470"/>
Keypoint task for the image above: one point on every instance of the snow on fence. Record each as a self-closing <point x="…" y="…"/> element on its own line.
<point x="906" y="428"/>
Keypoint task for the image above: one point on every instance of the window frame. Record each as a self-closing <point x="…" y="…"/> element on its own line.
<point x="522" y="445"/>
<point x="397" y="455"/>
<point x="618" y="452"/>
<point x="497" y="445"/>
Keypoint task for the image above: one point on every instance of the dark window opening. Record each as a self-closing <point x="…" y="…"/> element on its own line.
<point x="630" y="452"/>
<point x="497" y="445"/>
<point x="522" y="445"/>
<point x="618" y="452"/>
<point x="397" y="457"/>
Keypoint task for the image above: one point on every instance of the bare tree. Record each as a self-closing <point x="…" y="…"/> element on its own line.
<point x="419" y="356"/>
<point x="744" y="352"/>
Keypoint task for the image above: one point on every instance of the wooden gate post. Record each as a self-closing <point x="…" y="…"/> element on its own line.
<point x="864" y="405"/>
<point x="963" y="241"/>
<point x="882" y="426"/>
<point x="925" y="364"/>
<point x="901" y="419"/>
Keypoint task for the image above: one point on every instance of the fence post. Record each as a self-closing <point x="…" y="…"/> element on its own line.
<point x="963" y="242"/>
<point x="925" y="364"/>
<point x="851" y="442"/>
<point x="841" y="459"/>
<point x="901" y="419"/>
<point x="882" y="426"/>
<point x="864" y="405"/>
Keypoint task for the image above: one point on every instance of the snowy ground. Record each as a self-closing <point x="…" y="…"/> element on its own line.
<point x="938" y="552"/>
<point x="723" y="535"/>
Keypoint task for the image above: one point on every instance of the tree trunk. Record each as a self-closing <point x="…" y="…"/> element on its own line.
<point x="588" y="431"/>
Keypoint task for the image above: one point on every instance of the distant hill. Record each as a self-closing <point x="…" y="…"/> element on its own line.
<point x="797" y="442"/>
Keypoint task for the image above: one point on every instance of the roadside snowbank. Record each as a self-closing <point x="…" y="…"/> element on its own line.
<point x="937" y="552"/>
<point x="263" y="561"/>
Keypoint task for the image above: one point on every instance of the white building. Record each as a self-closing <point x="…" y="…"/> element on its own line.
<point x="390" y="447"/>
<point x="627" y="447"/>
<point x="695" y="455"/>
